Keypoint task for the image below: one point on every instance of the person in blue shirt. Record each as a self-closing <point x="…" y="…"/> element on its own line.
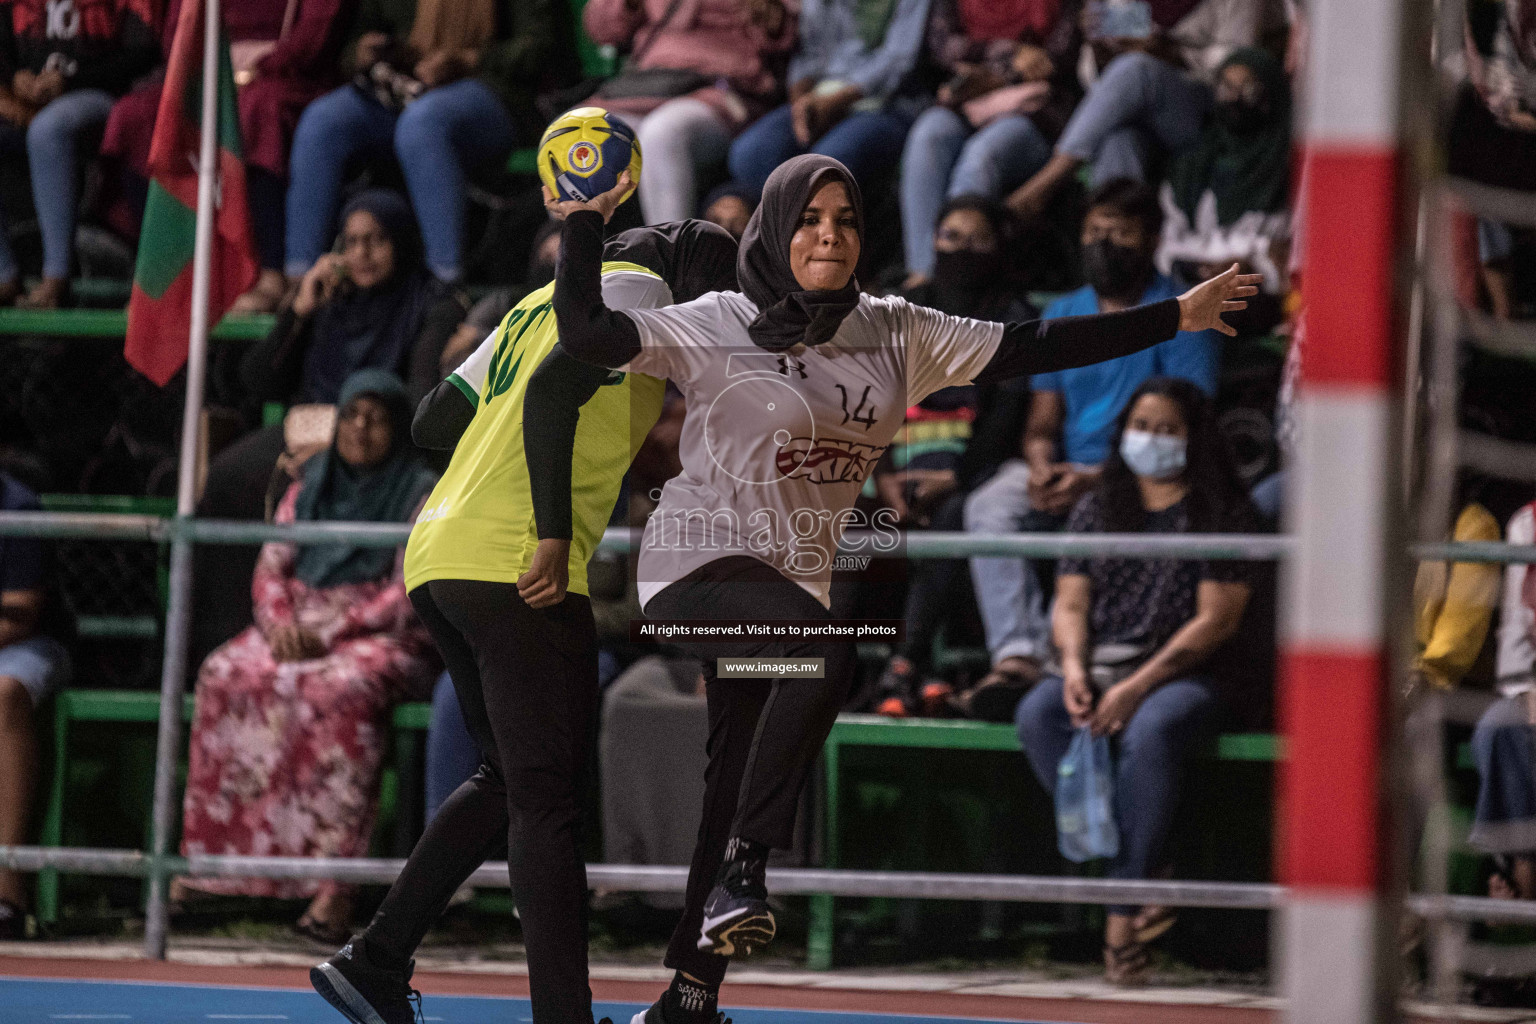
<point x="1071" y="424"/>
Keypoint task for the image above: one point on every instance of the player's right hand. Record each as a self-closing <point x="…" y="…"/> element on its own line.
<point x="604" y="204"/>
<point x="543" y="585"/>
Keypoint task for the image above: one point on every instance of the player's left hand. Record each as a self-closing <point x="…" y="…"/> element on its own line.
<point x="545" y="581"/>
<point x="1201" y="307"/>
<point x="604" y="204"/>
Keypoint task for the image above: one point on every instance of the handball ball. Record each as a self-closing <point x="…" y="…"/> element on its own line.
<point x="584" y="151"/>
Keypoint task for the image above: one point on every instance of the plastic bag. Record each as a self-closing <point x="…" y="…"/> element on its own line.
<point x="1085" y="800"/>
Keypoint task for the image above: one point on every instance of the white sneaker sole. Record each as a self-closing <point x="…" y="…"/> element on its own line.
<point x="338" y="991"/>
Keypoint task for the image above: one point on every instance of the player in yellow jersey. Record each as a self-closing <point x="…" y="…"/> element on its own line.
<point x="496" y="569"/>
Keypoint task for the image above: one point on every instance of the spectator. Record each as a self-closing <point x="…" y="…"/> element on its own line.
<point x="1504" y="824"/>
<point x="1493" y="130"/>
<point x="953" y="439"/>
<point x="995" y="118"/>
<point x="1071" y="424"/>
<point x="1225" y="198"/>
<point x="851" y="96"/>
<point x="372" y="304"/>
<point x="289" y="736"/>
<point x="1153" y="95"/>
<point x="56" y="91"/>
<point x="698" y="74"/>
<point x="32" y="665"/>
<point x="730" y="205"/>
<point x="1139" y="640"/>
<point x="449" y="85"/>
<point x="285" y="53"/>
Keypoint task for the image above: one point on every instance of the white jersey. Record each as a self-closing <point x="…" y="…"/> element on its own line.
<point x="775" y="447"/>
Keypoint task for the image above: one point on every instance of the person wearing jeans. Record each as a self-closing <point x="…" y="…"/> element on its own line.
<point x="1072" y="421"/>
<point x="52" y="141"/>
<point x="847" y="97"/>
<point x="437" y="139"/>
<point x="61" y="66"/>
<point x="1140" y="641"/>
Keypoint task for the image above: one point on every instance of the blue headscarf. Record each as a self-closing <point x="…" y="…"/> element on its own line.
<point x="372" y="327"/>
<point x="334" y="491"/>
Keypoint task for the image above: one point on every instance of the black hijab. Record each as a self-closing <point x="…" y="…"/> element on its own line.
<point x="372" y="327"/>
<point x="789" y="315"/>
<point x="337" y="492"/>
<point x="694" y="257"/>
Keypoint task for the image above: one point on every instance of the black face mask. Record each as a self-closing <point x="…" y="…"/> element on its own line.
<point x="1239" y="117"/>
<point x="1117" y="271"/>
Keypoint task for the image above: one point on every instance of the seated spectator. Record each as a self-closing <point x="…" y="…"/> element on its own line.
<point x="730" y="205"/>
<point x="56" y="90"/>
<point x="1493" y="130"/>
<point x="1153" y="94"/>
<point x="1504" y="823"/>
<point x="291" y="724"/>
<point x="285" y="53"/>
<point x="1008" y="94"/>
<point x="447" y="86"/>
<point x="1071" y="425"/>
<point x="32" y="665"/>
<point x="850" y="95"/>
<point x="1139" y="640"/>
<point x="953" y="439"/>
<point x="1225" y="198"/>
<point x="696" y="76"/>
<point x="370" y="305"/>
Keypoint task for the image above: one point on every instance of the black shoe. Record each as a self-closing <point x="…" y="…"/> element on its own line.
<point x="653" y="1015"/>
<point x="737" y="918"/>
<point x="365" y="993"/>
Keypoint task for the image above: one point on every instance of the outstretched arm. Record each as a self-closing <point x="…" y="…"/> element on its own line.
<point x="1041" y="346"/>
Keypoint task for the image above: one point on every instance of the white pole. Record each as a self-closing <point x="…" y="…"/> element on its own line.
<point x="178" y="614"/>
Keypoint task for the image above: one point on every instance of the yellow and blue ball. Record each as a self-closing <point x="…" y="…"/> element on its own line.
<point x="584" y="151"/>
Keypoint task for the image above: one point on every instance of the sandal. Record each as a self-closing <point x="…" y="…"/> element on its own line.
<point x="997" y="696"/>
<point x="332" y="936"/>
<point x="1126" y="965"/>
<point x="1153" y="923"/>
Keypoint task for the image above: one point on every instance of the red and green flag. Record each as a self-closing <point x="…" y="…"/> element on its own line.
<point x="160" y="309"/>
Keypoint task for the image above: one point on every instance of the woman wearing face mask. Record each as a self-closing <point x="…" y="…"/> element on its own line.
<point x="1226" y="198"/>
<point x="795" y="387"/>
<point x="1140" y="641"/>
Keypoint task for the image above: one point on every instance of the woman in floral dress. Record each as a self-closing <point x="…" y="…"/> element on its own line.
<point x="292" y="713"/>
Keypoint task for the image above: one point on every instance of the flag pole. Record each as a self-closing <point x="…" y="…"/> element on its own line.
<point x="179" y="611"/>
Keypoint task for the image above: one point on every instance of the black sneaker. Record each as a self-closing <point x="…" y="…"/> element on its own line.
<point x="737" y="918"/>
<point x="653" y="1015"/>
<point x="365" y="993"/>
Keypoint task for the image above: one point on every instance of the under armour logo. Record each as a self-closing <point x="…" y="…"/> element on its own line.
<point x="346" y="952"/>
<point x="63" y="19"/>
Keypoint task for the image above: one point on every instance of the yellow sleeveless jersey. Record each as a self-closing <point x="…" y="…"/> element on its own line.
<point x="478" y="523"/>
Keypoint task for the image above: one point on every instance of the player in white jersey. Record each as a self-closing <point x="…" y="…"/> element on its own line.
<point x="794" y="387"/>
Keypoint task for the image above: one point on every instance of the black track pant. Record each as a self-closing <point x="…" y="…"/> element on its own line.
<point x="764" y="734"/>
<point x="527" y="682"/>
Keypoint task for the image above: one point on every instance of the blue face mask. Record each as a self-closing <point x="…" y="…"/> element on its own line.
<point x="1159" y="456"/>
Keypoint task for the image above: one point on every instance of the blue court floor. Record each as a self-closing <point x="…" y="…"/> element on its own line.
<point x="29" y="1001"/>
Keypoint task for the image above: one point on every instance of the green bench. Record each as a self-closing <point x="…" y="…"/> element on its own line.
<point x="143" y="708"/>
<point x="852" y="730"/>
